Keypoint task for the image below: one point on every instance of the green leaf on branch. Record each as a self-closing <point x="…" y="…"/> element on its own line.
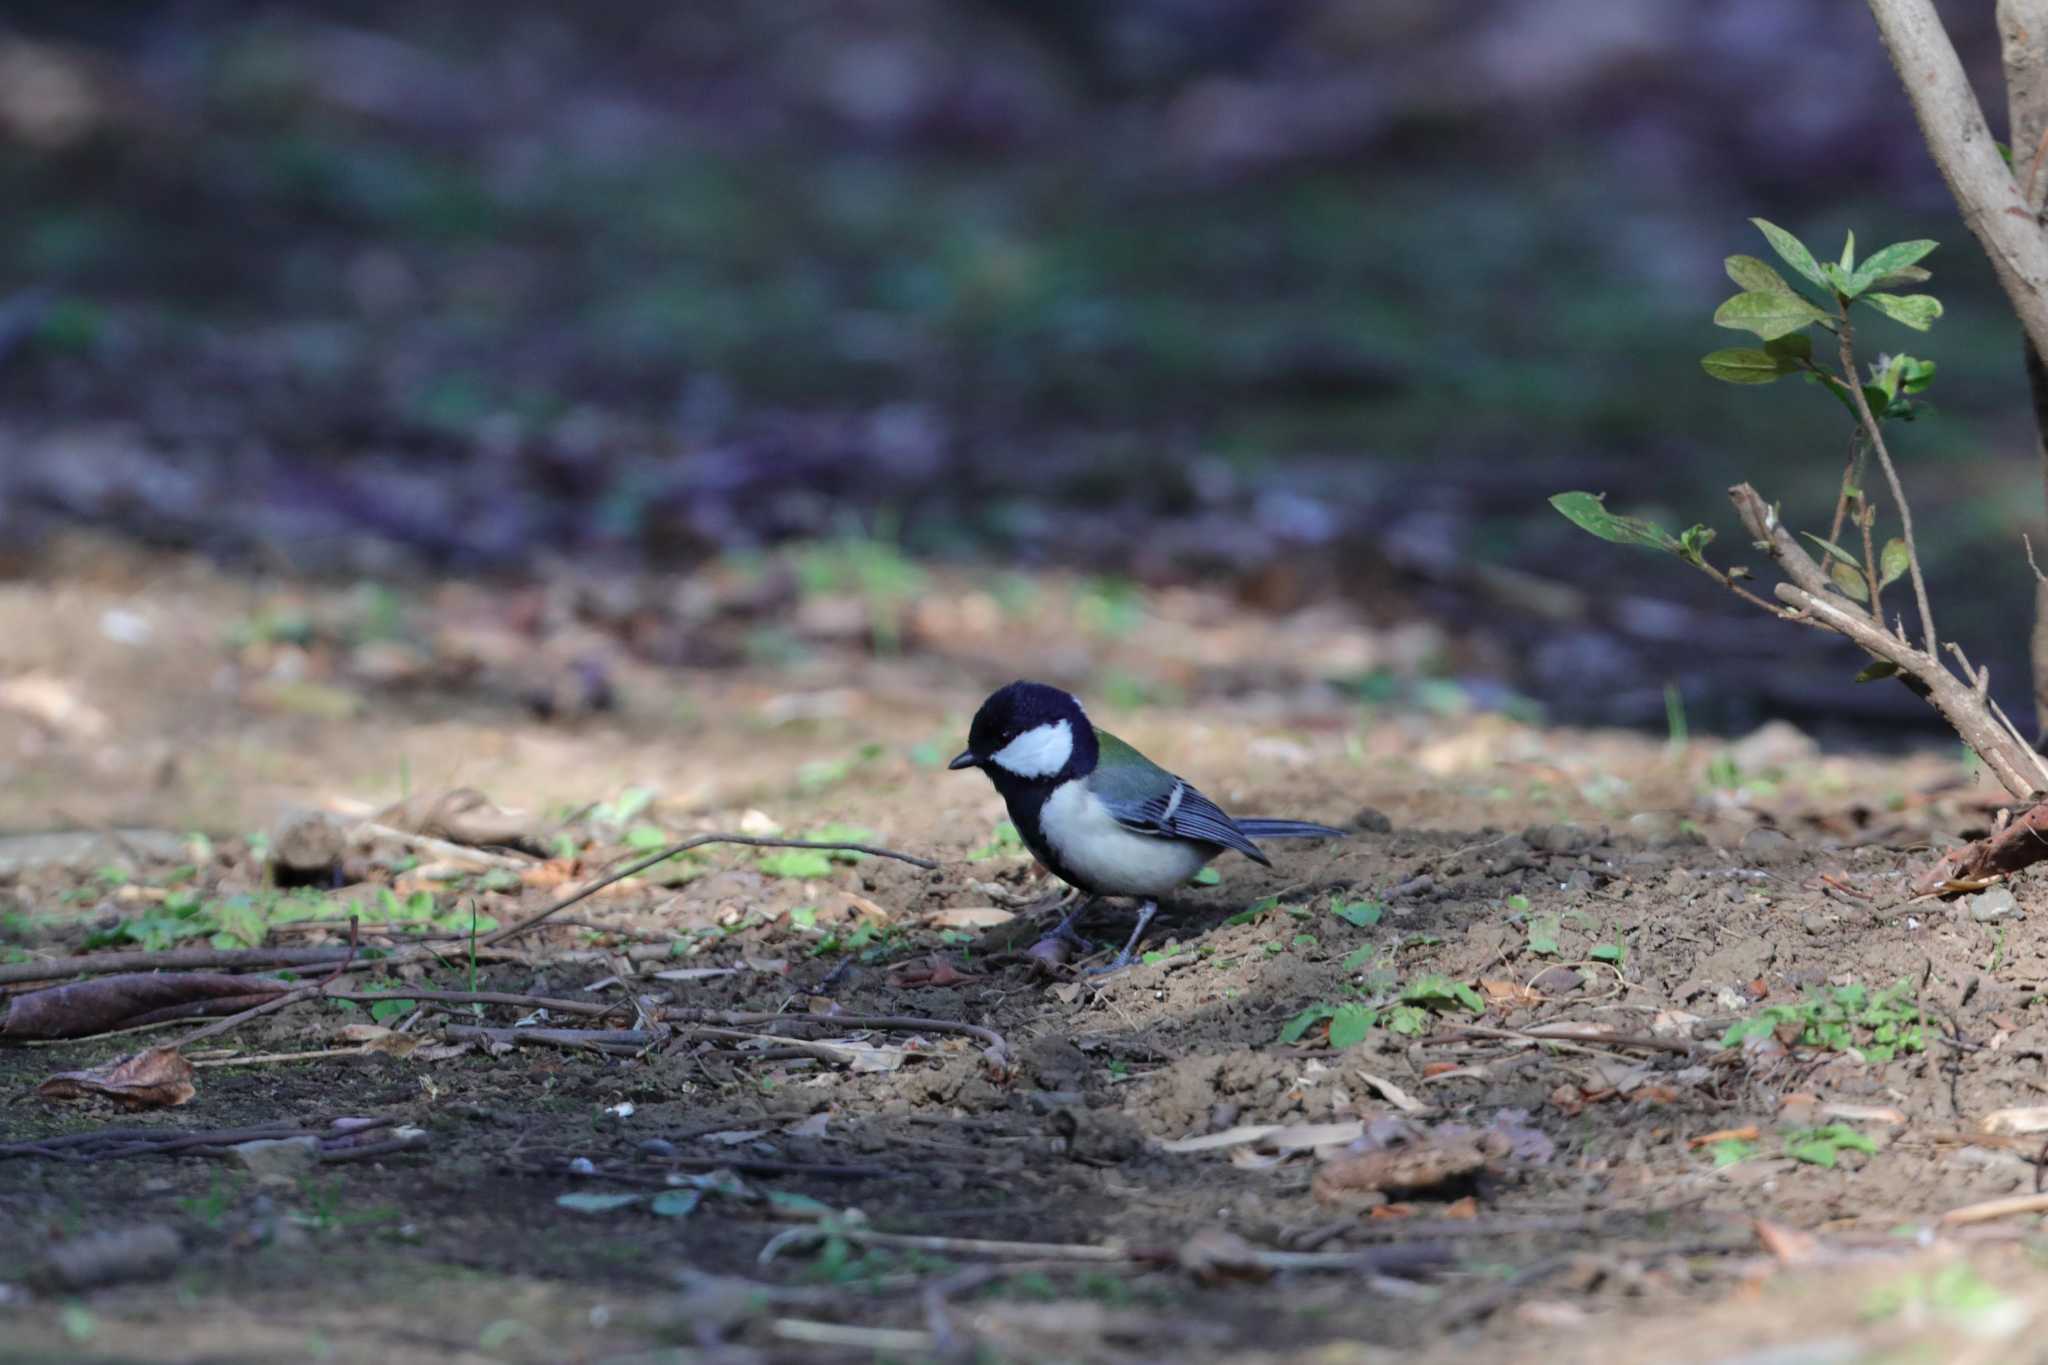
<point x="1914" y="374"/>
<point x="1917" y="311"/>
<point x="1892" y="562"/>
<point x="1837" y="551"/>
<point x="1912" y="274"/>
<point x="1877" y="670"/>
<point x="1849" y="581"/>
<point x="1881" y="265"/>
<point x="1588" y="511"/>
<point x="1693" y="542"/>
<point x="1792" y="252"/>
<point x="1744" y="365"/>
<point x="1793" y="347"/>
<point x="1769" y="315"/>
<point x="1756" y="277"/>
<point x="1848" y="261"/>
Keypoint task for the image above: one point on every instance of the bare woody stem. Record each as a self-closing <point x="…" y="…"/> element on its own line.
<point x="1963" y="703"/>
<point x="1846" y="335"/>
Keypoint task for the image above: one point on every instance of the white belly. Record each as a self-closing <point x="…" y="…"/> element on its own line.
<point x="1107" y="858"/>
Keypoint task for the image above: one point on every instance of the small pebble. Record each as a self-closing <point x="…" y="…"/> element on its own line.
<point x="658" y="1147"/>
<point x="1996" y="903"/>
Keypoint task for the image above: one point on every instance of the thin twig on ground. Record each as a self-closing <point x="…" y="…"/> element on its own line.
<point x="641" y="865"/>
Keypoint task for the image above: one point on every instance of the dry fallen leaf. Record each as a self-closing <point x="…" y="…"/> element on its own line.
<point x="548" y="875"/>
<point x="1789" y="1245"/>
<point x="1418" y="1166"/>
<point x="1863" y="1113"/>
<point x="1393" y="1094"/>
<point x="1510" y="993"/>
<point x="860" y="907"/>
<point x="933" y="970"/>
<point x="2025" y="1119"/>
<point x="969" y="917"/>
<point x="155" y="1078"/>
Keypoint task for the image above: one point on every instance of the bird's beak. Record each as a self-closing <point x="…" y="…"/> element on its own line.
<point x="964" y="759"/>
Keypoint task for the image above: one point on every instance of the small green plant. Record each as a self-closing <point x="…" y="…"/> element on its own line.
<point x="1842" y="590"/>
<point x="1728" y="1151"/>
<point x="1363" y="914"/>
<point x="1878" y="1025"/>
<point x="1254" y="912"/>
<point x="1403" y="1010"/>
<point x="1824" y="1146"/>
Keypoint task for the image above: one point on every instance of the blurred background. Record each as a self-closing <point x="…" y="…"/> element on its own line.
<point x="702" y="308"/>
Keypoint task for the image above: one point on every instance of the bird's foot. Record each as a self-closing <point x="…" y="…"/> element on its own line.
<point x="1123" y="959"/>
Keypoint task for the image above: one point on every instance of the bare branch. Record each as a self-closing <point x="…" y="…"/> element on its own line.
<point x="1972" y="714"/>
<point x="1953" y="124"/>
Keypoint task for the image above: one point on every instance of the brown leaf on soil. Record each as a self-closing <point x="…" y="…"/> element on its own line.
<point x="548" y="875"/>
<point x="860" y="907"/>
<point x="82" y="1008"/>
<point x="933" y="970"/>
<point x="969" y="917"/>
<point x="2021" y="843"/>
<point x="1748" y="1132"/>
<point x="155" y="1078"/>
<point x="1509" y="993"/>
<point x="1419" y="1166"/>
<point x="1789" y="1245"/>
<point x="2031" y="1118"/>
<point x="1568" y="1100"/>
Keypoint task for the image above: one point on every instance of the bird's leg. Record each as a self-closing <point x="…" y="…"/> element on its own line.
<point x="1146" y="910"/>
<point x="1065" y="929"/>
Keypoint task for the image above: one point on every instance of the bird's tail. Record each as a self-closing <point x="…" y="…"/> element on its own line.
<point x="1288" y="829"/>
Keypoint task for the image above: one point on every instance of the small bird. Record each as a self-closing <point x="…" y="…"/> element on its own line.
<point x="1098" y="814"/>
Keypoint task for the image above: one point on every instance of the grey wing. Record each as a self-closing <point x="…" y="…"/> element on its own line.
<point x="1181" y="812"/>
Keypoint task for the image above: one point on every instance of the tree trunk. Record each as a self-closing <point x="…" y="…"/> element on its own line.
<point x="2023" y="42"/>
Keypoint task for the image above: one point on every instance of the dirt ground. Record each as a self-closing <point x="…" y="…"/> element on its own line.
<point x="1499" y="877"/>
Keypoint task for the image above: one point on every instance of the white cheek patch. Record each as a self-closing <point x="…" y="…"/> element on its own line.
<point x="1037" y="753"/>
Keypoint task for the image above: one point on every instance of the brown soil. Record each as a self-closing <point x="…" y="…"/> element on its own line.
<point x="1685" y="890"/>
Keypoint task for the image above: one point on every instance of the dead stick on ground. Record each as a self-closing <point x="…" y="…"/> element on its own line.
<point x="1539" y="1034"/>
<point x="641" y="865"/>
<point x="1989" y="1209"/>
<point x="584" y="1008"/>
<point x="622" y="1041"/>
<point x="891" y="1022"/>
